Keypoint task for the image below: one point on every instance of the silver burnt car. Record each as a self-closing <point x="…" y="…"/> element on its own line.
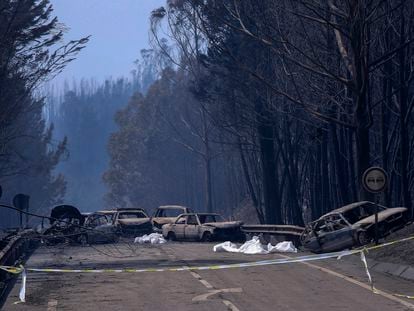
<point x="351" y="225"/>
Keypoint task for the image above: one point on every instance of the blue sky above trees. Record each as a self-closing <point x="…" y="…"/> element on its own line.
<point x="119" y="31"/>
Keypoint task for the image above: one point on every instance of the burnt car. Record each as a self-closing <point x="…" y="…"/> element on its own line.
<point x="109" y="213"/>
<point x="167" y="214"/>
<point x="203" y="227"/>
<point x="132" y="221"/>
<point x="98" y="228"/>
<point x="66" y="223"/>
<point x="352" y="225"/>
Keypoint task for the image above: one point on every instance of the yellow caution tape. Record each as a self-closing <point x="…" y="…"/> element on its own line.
<point x="338" y="255"/>
<point x="12" y="270"/>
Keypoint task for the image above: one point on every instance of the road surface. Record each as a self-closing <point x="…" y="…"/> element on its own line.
<point x="323" y="285"/>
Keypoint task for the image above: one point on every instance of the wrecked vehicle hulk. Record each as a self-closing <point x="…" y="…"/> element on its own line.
<point x="167" y="214"/>
<point x="98" y="228"/>
<point x="65" y="225"/>
<point x="352" y="225"/>
<point x="131" y="221"/>
<point x="203" y="227"/>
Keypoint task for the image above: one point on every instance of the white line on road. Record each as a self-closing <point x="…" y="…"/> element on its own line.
<point x="353" y="281"/>
<point x="204" y="282"/>
<point x="52" y="305"/>
<point x="204" y="297"/>
<point x="230" y="306"/>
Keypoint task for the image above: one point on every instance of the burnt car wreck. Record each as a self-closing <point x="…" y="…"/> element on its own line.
<point x="351" y="226"/>
<point x="65" y="225"/>
<point x="203" y="227"/>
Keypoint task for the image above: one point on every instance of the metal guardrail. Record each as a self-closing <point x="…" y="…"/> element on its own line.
<point x="273" y="229"/>
<point x="275" y="233"/>
<point x="17" y="247"/>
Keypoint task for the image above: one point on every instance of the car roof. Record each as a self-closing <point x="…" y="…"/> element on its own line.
<point x="198" y="214"/>
<point x="107" y="212"/>
<point x="172" y="207"/>
<point x="128" y="209"/>
<point x="346" y="208"/>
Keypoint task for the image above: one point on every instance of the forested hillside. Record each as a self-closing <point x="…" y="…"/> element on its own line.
<point x="305" y="96"/>
<point x="32" y="51"/>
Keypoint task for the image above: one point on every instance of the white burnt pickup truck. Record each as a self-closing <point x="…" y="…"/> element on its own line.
<point x="203" y="227"/>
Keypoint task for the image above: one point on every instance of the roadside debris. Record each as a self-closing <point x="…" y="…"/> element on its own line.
<point x="153" y="238"/>
<point x="65" y="224"/>
<point x="254" y="247"/>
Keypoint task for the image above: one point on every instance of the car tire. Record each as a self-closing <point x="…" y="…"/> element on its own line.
<point x="171" y="236"/>
<point x="207" y="237"/>
<point x="363" y="238"/>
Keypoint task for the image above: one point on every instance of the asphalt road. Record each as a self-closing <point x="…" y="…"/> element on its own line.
<point x="323" y="285"/>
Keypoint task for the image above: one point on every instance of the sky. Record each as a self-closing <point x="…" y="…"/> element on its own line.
<point x="118" y="28"/>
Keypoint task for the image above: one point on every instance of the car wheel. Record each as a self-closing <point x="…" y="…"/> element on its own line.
<point x="171" y="236"/>
<point x="83" y="239"/>
<point x="363" y="238"/>
<point x="207" y="237"/>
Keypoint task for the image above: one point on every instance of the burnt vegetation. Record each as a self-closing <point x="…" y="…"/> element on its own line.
<point x="31" y="52"/>
<point x="269" y="111"/>
<point x="282" y="103"/>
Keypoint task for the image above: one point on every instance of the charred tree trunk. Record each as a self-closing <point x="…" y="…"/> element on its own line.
<point x="270" y="186"/>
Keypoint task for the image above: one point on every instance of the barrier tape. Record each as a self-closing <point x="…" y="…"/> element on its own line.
<point x="22" y="270"/>
<point x="338" y="255"/>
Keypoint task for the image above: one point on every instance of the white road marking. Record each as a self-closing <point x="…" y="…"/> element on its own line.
<point x="353" y="281"/>
<point x="212" y="291"/>
<point x="204" y="297"/>
<point x="204" y="282"/>
<point x="52" y="305"/>
<point x="230" y="305"/>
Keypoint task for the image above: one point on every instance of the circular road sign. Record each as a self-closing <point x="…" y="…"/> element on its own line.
<point x="375" y="179"/>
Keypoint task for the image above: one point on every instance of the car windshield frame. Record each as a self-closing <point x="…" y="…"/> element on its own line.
<point x="362" y="211"/>
<point x="121" y="214"/>
<point x="204" y="218"/>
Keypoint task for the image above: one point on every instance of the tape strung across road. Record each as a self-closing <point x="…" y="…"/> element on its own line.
<point x="22" y="270"/>
<point x="18" y="270"/>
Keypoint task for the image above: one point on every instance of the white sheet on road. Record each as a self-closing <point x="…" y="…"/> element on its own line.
<point x="153" y="238"/>
<point x="254" y="246"/>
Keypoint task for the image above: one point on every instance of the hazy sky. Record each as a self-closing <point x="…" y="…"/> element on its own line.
<point x="119" y="30"/>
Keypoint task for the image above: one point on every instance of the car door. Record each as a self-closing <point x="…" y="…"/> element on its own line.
<point x="103" y="229"/>
<point x="336" y="235"/>
<point x="191" y="228"/>
<point x="179" y="227"/>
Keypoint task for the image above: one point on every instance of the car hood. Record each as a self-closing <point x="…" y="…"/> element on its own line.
<point x="164" y="220"/>
<point x="133" y="221"/>
<point x="381" y="216"/>
<point x="224" y="225"/>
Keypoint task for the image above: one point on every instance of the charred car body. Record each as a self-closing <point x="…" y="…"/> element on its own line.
<point x="203" y="227"/>
<point x="65" y="225"/>
<point x="98" y="228"/>
<point x="352" y="225"/>
<point x="132" y="221"/>
<point x="167" y="214"/>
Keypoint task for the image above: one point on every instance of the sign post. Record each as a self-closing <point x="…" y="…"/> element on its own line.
<point x="375" y="180"/>
<point x="21" y="201"/>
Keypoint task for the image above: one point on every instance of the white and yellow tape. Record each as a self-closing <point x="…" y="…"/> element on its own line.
<point x="22" y="270"/>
